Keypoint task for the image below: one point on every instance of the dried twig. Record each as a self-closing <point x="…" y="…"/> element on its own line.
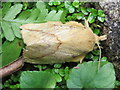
<point x="9" y="69"/>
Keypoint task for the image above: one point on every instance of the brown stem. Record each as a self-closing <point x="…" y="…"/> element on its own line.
<point x="9" y="69"/>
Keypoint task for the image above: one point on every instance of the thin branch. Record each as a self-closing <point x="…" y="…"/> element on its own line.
<point x="9" y="69"/>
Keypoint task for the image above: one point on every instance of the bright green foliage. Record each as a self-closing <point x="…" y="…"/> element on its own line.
<point x="76" y="3"/>
<point x="37" y="79"/>
<point x="9" y="14"/>
<point x="88" y="76"/>
<point x="80" y="16"/>
<point x="96" y="31"/>
<point x="117" y="83"/>
<point x="11" y="51"/>
<point x="57" y="65"/>
<point x="104" y="59"/>
<point x="101" y="15"/>
<point x="84" y="10"/>
<point x="91" y="18"/>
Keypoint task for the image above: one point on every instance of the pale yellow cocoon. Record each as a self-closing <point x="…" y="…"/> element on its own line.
<point x="54" y="42"/>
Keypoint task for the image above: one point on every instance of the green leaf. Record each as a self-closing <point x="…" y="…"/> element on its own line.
<point x="0" y="15"/>
<point x="50" y="15"/>
<point x="13" y="11"/>
<point x="37" y="79"/>
<point x="66" y="73"/>
<point x="84" y="10"/>
<point x="101" y="19"/>
<point x="69" y="18"/>
<point x="50" y="3"/>
<point x="80" y="16"/>
<point x="89" y="9"/>
<point x="100" y="12"/>
<point x="56" y="2"/>
<point x="41" y="5"/>
<point x="76" y="3"/>
<point x="7" y="30"/>
<point x="96" y="31"/>
<point x="57" y="77"/>
<point x="42" y="16"/>
<point x="89" y="56"/>
<point x="95" y="58"/>
<point x="88" y="76"/>
<point x="23" y="15"/>
<point x="67" y="4"/>
<point x="104" y="59"/>
<point x="71" y="9"/>
<point x="94" y="12"/>
<point x="63" y="15"/>
<point x="34" y="14"/>
<point x="6" y="7"/>
<point x="11" y="51"/>
<point x="16" y="29"/>
<point x="57" y="16"/>
<point x="54" y="16"/>
<point x="74" y="16"/>
<point x="91" y="18"/>
<point x="57" y="65"/>
<point x="96" y="52"/>
<point x="61" y="72"/>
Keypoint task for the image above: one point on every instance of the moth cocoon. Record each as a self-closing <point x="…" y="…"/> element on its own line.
<point x="54" y="42"/>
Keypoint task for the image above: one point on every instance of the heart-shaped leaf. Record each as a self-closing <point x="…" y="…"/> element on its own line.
<point x="88" y="76"/>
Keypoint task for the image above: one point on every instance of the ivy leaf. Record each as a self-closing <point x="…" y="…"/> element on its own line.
<point x="37" y="79"/>
<point x="88" y="76"/>
<point x="11" y="51"/>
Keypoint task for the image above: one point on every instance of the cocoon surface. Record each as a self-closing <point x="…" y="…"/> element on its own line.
<point x="54" y="42"/>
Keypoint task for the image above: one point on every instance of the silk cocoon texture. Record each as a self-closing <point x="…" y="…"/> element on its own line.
<point x="54" y="42"/>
